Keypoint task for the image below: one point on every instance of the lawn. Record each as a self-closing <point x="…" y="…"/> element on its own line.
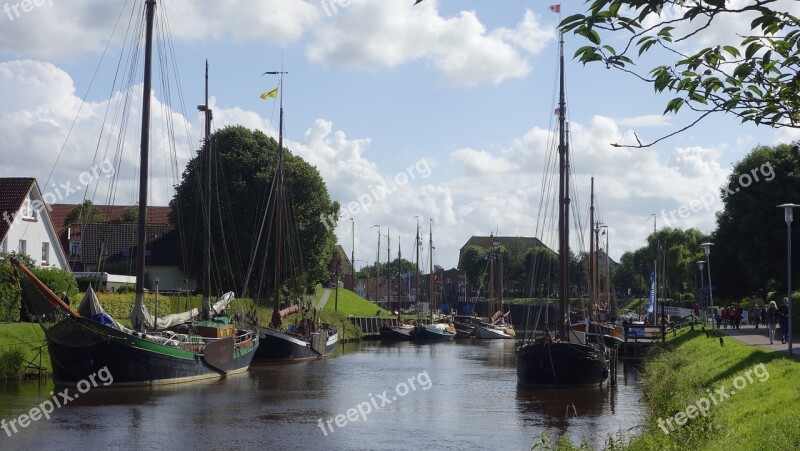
<point x="26" y="337"/>
<point x="351" y="304"/>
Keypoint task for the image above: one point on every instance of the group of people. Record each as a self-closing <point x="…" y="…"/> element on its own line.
<point x="770" y="315"/>
<point x="731" y="316"/>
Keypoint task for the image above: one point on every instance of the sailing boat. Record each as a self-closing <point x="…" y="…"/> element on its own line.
<point x="497" y="327"/>
<point x="596" y="323"/>
<point x="402" y="331"/>
<point x="83" y="342"/>
<point x="566" y="359"/>
<point x="436" y="330"/>
<point x="307" y="340"/>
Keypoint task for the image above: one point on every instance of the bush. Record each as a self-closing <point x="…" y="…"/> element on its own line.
<point x="11" y="363"/>
<point x="687" y="297"/>
<point x="58" y="280"/>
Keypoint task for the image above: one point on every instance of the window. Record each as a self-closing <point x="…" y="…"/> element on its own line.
<point x="23" y="247"/>
<point x="27" y="211"/>
<point x="45" y="254"/>
<point x="74" y="247"/>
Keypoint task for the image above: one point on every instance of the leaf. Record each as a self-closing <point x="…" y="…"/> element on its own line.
<point x="593" y="36"/>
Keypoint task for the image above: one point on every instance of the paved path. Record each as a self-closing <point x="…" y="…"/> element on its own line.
<point x="326" y="293"/>
<point x="749" y="335"/>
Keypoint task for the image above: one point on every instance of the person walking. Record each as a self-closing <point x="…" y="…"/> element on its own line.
<point x="764" y="314"/>
<point x="783" y="310"/>
<point x="755" y="314"/>
<point x="772" y="320"/>
<point x="737" y="315"/>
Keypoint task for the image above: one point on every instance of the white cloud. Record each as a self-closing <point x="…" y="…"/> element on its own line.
<point x="368" y="35"/>
<point x="44" y="32"/>
<point x="649" y="120"/>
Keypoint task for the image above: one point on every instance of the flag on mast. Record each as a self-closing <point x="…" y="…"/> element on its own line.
<point x="268" y="94"/>
<point x="555" y="8"/>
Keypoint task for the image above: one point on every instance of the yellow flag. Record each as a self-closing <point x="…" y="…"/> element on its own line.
<point x="268" y="94"/>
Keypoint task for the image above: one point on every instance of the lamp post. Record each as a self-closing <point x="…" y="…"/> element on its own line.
<point x="705" y="319"/>
<point x="787" y="215"/>
<point x="707" y="250"/>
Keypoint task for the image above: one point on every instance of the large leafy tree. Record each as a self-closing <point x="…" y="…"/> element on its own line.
<point x="749" y="256"/>
<point x="753" y="75"/>
<point x="473" y="263"/>
<point x="242" y="215"/>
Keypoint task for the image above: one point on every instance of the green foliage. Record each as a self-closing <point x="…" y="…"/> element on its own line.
<point x="541" y="265"/>
<point x="12" y="361"/>
<point x="244" y="170"/>
<point x="749" y="256"/>
<point x="58" y="280"/>
<point x="760" y="86"/>
<point x="130" y="214"/>
<point x="84" y="213"/>
<point x="390" y="269"/>
<point x="473" y="262"/>
<point x="352" y="304"/>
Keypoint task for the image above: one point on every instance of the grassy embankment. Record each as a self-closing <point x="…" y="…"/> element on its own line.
<point x="688" y="378"/>
<point x="18" y="346"/>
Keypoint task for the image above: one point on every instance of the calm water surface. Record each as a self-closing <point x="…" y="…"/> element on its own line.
<point x="464" y="396"/>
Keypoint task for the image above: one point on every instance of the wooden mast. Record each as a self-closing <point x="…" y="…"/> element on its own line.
<point x="206" y="186"/>
<point x="276" y="315"/>
<point x="563" y="220"/>
<point x="137" y="316"/>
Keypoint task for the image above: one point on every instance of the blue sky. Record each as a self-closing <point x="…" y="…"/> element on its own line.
<point x="456" y="94"/>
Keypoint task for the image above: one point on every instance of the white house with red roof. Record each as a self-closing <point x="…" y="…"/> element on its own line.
<point x="25" y="225"/>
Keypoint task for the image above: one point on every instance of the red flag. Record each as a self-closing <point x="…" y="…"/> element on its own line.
<point x="557" y="112"/>
<point x="555" y="8"/>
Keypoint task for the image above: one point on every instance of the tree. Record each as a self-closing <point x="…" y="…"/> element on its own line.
<point x="541" y="266"/>
<point x="84" y="213"/>
<point x="749" y="255"/>
<point x="626" y="277"/>
<point x="473" y="262"/>
<point x="755" y="80"/>
<point x="130" y="214"/>
<point x="242" y="200"/>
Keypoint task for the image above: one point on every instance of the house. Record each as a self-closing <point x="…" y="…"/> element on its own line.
<point x="108" y="249"/>
<point x="26" y="226"/>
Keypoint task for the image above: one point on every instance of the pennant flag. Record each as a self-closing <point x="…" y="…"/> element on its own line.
<point x="268" y="94"/>
<point x="652" y="299"/>
<point x="555" y="8"/>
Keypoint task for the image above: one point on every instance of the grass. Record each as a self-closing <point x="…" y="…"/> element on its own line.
<point x="25" y="338"/>
<point x="762" y="414"/>
<point x="351" y="304"/>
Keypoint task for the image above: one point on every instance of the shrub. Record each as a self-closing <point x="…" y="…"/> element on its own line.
<point x="11" y="363"/>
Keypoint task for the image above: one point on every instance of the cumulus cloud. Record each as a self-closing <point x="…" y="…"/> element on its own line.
<point x="369" y="35"/>
<point x="43" y="31"/>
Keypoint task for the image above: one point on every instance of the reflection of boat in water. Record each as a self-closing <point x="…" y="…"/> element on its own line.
<point x="557" y="407"/>
<point x="566" y="359"/>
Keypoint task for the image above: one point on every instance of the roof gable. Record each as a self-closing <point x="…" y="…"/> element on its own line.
<point x="13" y="191"/>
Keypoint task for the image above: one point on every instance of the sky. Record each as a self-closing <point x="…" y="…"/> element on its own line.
<point x="438" y="111"/>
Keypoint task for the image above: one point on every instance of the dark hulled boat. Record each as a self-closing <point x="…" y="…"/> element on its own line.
<point x="157" y="350"/>
<point x="312" y="340"/>
<point x="566" y="360"/>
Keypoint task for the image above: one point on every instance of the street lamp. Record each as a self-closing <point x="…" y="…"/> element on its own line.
<point x="702" y="284"/>
<point x="707" y="250"/>
<point x="787" y="211"/>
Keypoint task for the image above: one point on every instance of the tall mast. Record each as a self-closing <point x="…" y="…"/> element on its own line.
<point x="563" y="220"/>
<point x="430" y="276"/>
<point x="276" y="316"/>
<point x="137" y="315"/>
<point x="592" y="254"/>
<point x="388" y="257"/>
<point x="207" y="164"/>
<point x="417" y="245"/>
<point x="399" y="274"/>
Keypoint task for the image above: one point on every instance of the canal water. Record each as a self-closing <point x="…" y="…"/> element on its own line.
<point x="369" y="395"/>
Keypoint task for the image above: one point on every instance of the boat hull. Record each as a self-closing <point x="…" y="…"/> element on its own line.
<point x="488" y="332"/>
<point x="396" y="333"/>
<point x="559" y="364"/>
<point x="429" y="332"/>
<point x="279" y="345"/>
<point x="81" y="348"/>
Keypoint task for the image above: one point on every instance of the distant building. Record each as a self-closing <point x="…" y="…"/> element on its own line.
<point x="26" y="226"/>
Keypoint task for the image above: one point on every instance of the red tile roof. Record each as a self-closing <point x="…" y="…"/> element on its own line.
<point x="13" y="191"/>
<point x="59" y="212"/>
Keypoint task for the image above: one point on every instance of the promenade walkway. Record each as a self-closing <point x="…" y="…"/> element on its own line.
<point x="326" y="293"/>
<point x="749" y="335"/>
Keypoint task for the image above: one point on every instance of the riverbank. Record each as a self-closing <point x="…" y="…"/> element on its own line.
<point x="705" y="395"/>
<point x="21" y="344"/>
